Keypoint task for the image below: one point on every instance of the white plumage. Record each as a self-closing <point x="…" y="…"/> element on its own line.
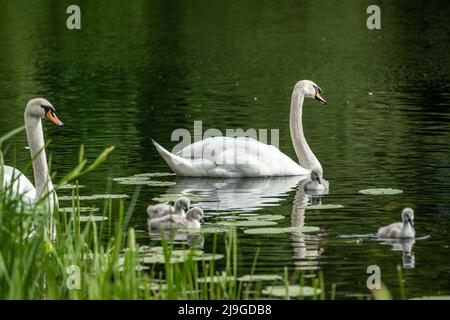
<point x="246" y="157"/>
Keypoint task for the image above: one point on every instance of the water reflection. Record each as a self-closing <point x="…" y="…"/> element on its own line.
<point x="241" y="195"/>
<point x="307" y="248"/>
<point x="406" y="246"/>
<point x="195" y="240"/>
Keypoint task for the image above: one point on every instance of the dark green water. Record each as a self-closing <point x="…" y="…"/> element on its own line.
<point x="140" y="70"/>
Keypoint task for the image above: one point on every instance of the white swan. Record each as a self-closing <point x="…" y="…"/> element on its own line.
<point x="193" y="220"/>
<point x="159" y="210"/>
<point x="246" y="157"/>
<point x="15" y="181"/>
<point x="400" y="230"/>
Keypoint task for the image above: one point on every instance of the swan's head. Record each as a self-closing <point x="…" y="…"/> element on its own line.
<point x="408" y="216"/>
<point x="195" y="213"/>
<point x="182" y="204"/>
<point x="41" y="108"/>
<point x="310" y="90"/>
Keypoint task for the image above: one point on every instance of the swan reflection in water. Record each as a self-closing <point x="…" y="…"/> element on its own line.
<point x="220" y="196"/>
<point x="235" y="194"/>
<point x="406" y="246"/>
<point x="308" y="248"/>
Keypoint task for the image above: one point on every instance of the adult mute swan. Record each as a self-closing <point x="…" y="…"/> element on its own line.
<point x="246" y="157"/>
<point x="400" y="230"/>
<point x="15" y="181"/>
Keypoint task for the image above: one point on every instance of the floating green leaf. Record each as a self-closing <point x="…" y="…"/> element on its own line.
<point x="323" y="206"/>
<point x="154" y="174"/>
<point x="70" y="186"/>
<point x="291" y="291"/>
<point x="259" y="277"/>
<point x="207" y="257"/>
<point x="304" y="229"/>
<point x="267" y="217"/>
<point x="153" y="255"/>
<point x="80" y="209"/>
<point x="216" y="279"/>
<point x="380" y="191"/>
<point x="201" y="230"/>
<point x="92" y="218"/>
<point x="94" y="197"/>
<point x="150" y="183"/>
<point x="247" y="223"/>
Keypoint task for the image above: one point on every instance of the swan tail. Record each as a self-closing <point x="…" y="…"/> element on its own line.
<point x="176" y="163"/>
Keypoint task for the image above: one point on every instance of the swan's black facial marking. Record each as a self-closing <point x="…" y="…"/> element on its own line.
<point x="48" y="108"/>
<point x="50" y="114"/>
<point x="317" y="88"/>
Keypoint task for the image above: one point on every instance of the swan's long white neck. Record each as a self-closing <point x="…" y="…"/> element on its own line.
<point x="35" y="137"/>
<point x="306" y="157"/>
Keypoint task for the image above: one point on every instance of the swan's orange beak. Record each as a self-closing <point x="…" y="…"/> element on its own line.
<point x="50" y="115"/>
<point x="319" y="98"/>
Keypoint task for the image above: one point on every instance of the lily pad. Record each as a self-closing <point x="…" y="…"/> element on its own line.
<point x="323" y="206"/>
<point x="153" y="255"/>
<point x="259" y="277"/>
<point x="207" y="257"/>
<point x="267" y="217"/>
<point x="247" y="223"/>
<point x="70" y="186"/>
<point x="159" y="258"/>
<point x="304" y="229"/>
<point x="291" y="291"/>
<point x="143" y="181"/>
<point x="216" y="279"/>
<point x="80" y="209"/>
<point x="154" y="174"/>
<point x="201" y="230"/>
<point x="380" y="191"/>
<point x="93" y="218"/>
<point x="94" y="197"/>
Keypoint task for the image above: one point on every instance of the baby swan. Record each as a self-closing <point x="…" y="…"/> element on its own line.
<point x="400" y="230"/>
<point x="162" y="209"/>
<point x="316" y="183"/>
<point x="193" y="220"/>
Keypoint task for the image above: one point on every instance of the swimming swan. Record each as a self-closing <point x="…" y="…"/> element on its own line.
<point x="400" y="230"/>
<point x="15" y="180"/>
<point x="193" y="220"/>
<point x="161" y="209"/>
<point x="247" y="157"/>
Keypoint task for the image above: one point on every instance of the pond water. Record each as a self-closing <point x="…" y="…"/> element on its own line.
<point x="140" y="71"/>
